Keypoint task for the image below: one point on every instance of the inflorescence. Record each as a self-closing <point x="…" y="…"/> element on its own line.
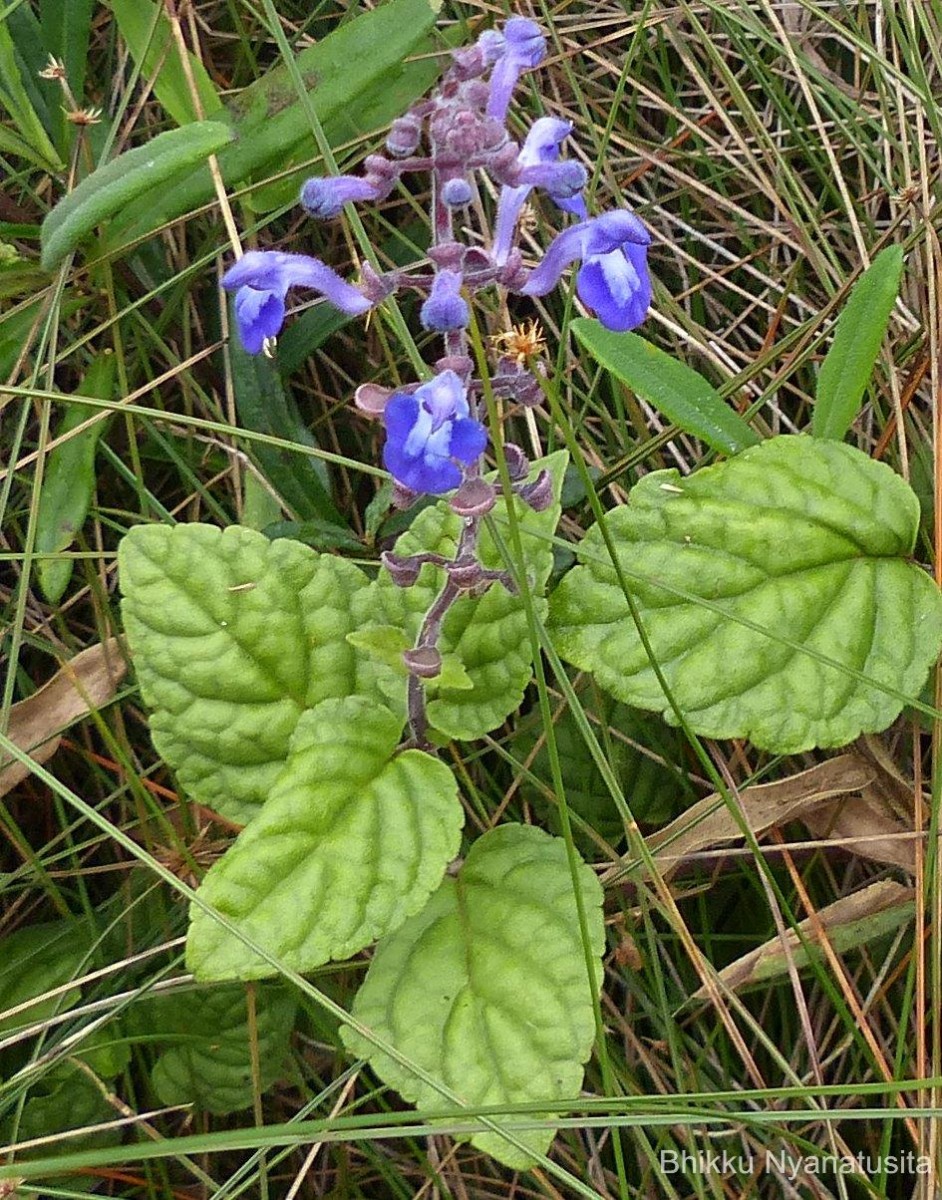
<point x="435" y="440"/>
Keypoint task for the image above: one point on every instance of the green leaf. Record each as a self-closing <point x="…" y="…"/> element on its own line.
<point x="368" y="110"/>
<point x="233" y="637"/>
<point x="209" y="1058"/>
<point x="37" y="959"/>
<point x="16" y="100"/>
<point x="125" y="182"/>
<point x="640" y="746"/>
<point x="848" y="365"/>
<point x="676" y="390"/>
<point x="271" y="122"/>
<point x="794" y="544"/>
<point x="486" y="988"/>
<point x="353" y="840"/>
<point x="487" y="634"/>
<point x="69" y="481"/>
<point x="264" y="407"/>
<point x="66" y="25"/>
<point x="62" y="1100"/>
<point x="147" y="32"/>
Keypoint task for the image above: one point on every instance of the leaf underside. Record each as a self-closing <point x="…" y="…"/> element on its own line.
<point x="486" y="988"/>
<point x="742" y="573"/>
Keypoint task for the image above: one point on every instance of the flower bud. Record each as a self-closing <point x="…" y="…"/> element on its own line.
<point x="445" y="309"/>
<point x="457" y="192"/>
<point x="325" y="198"/>
<point x="425" y="662"/>
<point x="404" y="136"/>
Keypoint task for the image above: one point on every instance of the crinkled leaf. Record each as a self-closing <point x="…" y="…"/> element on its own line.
<point x="233" y="637"/>
<point x="38" y="959"/>
<point x="353" y="840"/>
<point x="806" y="540"/>
<point x="120" y="184"/>
<point x="639" y="748"/>
<point x="487" y="634"/>
<point x="205" y="1043"/>
<point x="486" y="988"/>
<point x="848" y="365"/>
<point x="676" y="390"/>
<point x="63" y="1099"/>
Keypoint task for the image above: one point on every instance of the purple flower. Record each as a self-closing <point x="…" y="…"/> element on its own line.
<point x="261" y="279"/>
<point x="524" y="47"/>
<point x="429" y="433"/>
<point x="325" y="197"/>
<point x="539" y="167"/>
<point x="613" y="279"/>
<point x="445" y="308"/>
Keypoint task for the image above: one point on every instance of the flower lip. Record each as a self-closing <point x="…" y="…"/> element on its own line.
<point x="525" y="41"/>
<point x="537" y="165"/>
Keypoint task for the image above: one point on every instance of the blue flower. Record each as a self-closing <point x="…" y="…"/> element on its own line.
<point x="524" y="47"/>
<point x="261" y="279"/>
<point x="445" y="309"/>
<point x="325" y="197"/>
<point x="613" y="279"/>
<point x="539" y="167"/>
<point x="429" y="433"/>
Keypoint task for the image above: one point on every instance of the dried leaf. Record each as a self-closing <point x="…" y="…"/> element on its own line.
<point x="84" y="683"/>
<point x="710" y="823"/>
<point x="847" y="923"/>
<point x="868" y="825"/>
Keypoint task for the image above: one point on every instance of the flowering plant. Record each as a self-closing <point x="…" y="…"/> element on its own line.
<point x="308" y="699"/>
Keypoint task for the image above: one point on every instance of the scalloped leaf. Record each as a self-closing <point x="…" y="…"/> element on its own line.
<point x="353" y="839"/>
<point x="806" y="539"/>
<point x="486" y="988"/>
<point x="210" y="1059"/>
<point x="233" y="637"/>
<point x="487" y="634"/>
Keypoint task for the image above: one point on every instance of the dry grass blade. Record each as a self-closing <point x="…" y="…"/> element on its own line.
<point x="84" y="683"/>
<point x="847" y="923"/>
